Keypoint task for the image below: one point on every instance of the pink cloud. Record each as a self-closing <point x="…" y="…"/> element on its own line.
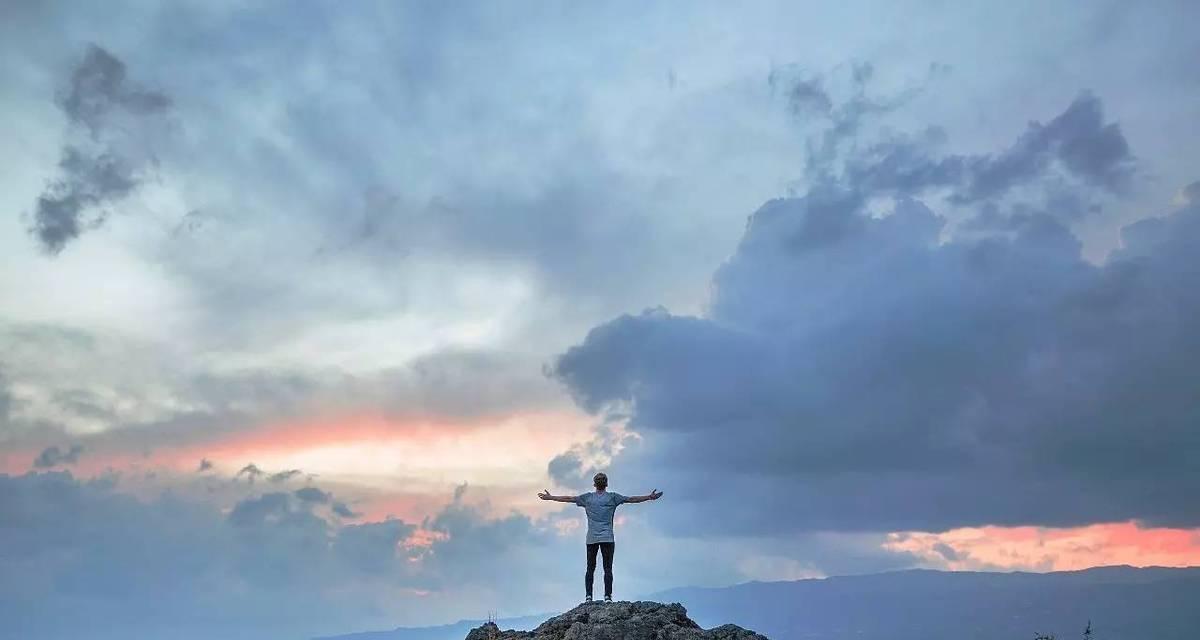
<point x="1047" y="549"/>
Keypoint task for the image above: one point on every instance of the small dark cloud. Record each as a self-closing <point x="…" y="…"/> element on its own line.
<point x="344" y="511"/>
<point x="269" y="507"/>
<point x="251" y="471"/>
<point x="844" y="112"/>
<point x="205" y="465"/>
<point x="98" y="167"/>
<point x="807" y="96"/>
<point x="1076" y="145"/>
<point x="283" y="476"/>
<point x="99" y="86"/>
<point x="86" y="181"/>
<point x="946" y="551"/>
<point x="312" y="494"/>
<point x="1086" y="147"/>
<point x="295" y="509"/>
<point x="53" y="456"/>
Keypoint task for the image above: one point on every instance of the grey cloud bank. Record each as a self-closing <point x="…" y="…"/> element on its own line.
<point x="177" y="567"/>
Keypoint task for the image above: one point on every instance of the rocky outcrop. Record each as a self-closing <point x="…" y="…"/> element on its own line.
<point x="619" y="621"/>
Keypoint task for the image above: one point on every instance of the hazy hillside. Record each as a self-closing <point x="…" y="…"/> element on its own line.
<point x="455" y="631"/>
<point x="1122" y="603"/>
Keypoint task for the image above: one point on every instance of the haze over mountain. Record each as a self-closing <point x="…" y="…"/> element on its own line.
<point x="1121" y="602"/>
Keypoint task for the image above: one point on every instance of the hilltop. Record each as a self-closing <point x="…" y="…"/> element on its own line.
<point x="619" y="621"/>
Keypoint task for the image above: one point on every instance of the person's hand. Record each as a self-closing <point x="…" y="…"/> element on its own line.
<point x="545" y="494"/>
<point x="655" y="495"/>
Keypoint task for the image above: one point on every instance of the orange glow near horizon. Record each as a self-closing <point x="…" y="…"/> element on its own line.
<point x="346" y="446"/>
<point x="499" y="452"/>
<point x="1052" y="549"/>
<point x="381" y="466"/>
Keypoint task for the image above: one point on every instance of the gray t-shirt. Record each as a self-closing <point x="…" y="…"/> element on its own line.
<point x="600" y="508"/>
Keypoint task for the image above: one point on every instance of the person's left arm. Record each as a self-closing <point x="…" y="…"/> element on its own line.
<point x="653" y="495"/>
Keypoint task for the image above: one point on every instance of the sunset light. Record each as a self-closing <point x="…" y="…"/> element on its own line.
<point x="518" y="320"/>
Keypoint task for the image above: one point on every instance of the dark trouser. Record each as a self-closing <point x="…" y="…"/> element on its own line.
<point x="606" y="548"/>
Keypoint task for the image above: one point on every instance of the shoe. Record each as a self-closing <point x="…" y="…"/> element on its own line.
<point x="607" y="599"/>
<point x="587" y="599"/>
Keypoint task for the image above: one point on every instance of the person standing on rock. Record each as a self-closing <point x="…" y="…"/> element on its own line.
<point x="600" y="506"/>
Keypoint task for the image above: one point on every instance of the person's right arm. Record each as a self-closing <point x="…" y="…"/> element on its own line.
<point x="545" y="495"/>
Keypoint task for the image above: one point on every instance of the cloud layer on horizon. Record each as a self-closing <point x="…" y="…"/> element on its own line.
<point x="106" y="554"/>
<point x="182" y="566"/>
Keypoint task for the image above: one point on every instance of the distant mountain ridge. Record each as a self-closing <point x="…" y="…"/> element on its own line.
<point x="1122" y="602"/>
<point x="453" y="631"/>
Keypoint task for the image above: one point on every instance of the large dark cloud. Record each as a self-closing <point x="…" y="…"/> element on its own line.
<point x="855" y="371"/>
<point x="105" y="153"/>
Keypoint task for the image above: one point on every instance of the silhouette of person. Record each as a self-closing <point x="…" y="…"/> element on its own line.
<point x="600" y="506"/>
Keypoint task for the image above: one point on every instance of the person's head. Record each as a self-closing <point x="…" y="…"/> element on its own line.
<point x="600" y="481"/>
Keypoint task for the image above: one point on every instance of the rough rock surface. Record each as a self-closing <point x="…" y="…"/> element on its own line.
<point x="619" y="621"/>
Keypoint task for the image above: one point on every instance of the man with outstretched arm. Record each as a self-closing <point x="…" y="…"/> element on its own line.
<point x="600" y="506"/>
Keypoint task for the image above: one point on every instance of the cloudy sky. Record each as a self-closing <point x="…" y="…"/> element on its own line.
<point x="300" y="304"/>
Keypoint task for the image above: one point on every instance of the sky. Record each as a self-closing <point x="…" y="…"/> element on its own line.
<point x="301" y="304"/>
